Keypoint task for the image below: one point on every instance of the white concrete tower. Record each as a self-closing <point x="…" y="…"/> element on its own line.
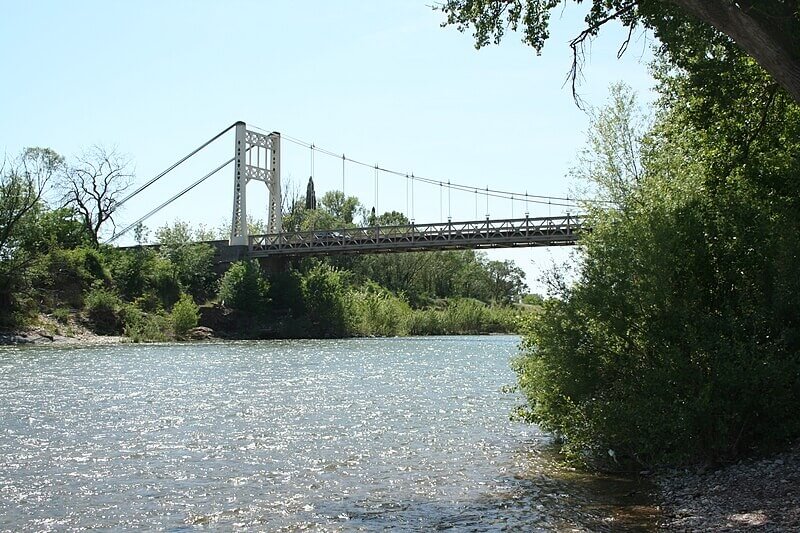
<point x="257" y="157"/>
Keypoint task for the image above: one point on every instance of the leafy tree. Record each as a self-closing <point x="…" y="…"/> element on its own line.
<point x="204" y="233"/>
<point x="392" y="218"/>
<point x="325" y="301"/>
<point x="104" y="310"/>
<point x="65" y="275"/>
<point x="342" y="208"/>
<point x="302" y="219"/>
<point x="506" y="281"/>
<point x="533" y="299"/>
<point x="92" y="187"/>
<point x="141" y="234"/>
<point x="286" y="292"/>
<point x="164" y="281"/>
<point x="243" y="287"/>
<point x="686" y="306"/>
<point x="23" y="182"/>
<point x="174" y="236"/>
<point x="611" y="161"/>
<point x="54" y="228"/>
<point x="767" y="30"/>
<point x="421" y="277"/>
<point x="184" y="316"/>
<point x="193" y="262"/>
<point x="132" y="270"/>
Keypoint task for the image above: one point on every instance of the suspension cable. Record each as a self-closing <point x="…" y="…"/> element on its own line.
<point x="497" y="193"/>
<point x="173" y="166"/>
<point x="449" y="212"/>
<point x="412" y="197"/>
<point x="312" y="160"/>
<point x="160" y="207"/>
<point x="440" y="200"/>
<point x="407" y="211"/>
<point x="526" y="205"/>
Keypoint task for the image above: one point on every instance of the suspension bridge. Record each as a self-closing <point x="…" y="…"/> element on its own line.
<point x="257" y="157"/>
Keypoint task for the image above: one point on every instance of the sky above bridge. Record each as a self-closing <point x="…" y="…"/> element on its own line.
<point x="378" y="81"/>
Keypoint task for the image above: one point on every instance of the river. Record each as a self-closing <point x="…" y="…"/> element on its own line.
<point x="356" y="434"/>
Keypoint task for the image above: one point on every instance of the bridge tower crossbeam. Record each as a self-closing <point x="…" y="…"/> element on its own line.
<point x="257" y="157"/>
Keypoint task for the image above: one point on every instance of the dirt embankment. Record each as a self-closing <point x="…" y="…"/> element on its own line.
<point x="50" y="331"/>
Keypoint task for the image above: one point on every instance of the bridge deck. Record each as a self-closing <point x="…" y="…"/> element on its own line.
<point x="541" y="231"/>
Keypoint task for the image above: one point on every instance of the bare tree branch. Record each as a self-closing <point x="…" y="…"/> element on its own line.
<point x="93" y="185"/>
<point x="577" y="44"/>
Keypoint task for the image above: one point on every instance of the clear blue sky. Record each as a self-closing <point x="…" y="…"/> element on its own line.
<point x="379" y="81"/>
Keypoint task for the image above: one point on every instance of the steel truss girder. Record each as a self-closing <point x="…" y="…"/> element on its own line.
<point x="542" y="231"/>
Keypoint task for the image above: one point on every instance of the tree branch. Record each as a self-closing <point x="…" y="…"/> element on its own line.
<point x="577" y="47"/>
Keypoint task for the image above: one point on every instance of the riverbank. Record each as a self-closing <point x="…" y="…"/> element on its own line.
<point x="50" y="331"/>
<point x="43" y="337"/>
<point x="755" y="494"/>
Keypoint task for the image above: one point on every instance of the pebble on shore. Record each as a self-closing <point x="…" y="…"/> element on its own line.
<point x="754" y="494"/>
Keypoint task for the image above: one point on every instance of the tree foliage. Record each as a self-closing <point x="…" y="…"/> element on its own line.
<point x="340" y="207"/>
<point x="184" y="316"/>
<point x="193" y="261"/>
<point x="423" y="277"/>
<point x="244" y="287"/>
<point x="767" y="30"/>
<point x="685" y="311"/>
<point x="611" y="162"/>
<point x="325" y="301"/>
<point x="23" y="182"/>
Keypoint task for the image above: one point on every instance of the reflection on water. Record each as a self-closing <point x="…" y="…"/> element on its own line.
<point x="284" y="435"/>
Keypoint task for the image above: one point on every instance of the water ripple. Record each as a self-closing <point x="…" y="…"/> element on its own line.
<point x="341" y="435"/>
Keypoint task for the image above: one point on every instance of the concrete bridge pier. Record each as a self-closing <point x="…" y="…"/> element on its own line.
<point x="227" y="254"/>
<point x="274" y="264"/>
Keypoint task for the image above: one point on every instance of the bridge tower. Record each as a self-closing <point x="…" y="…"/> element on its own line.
<point x="257" y="157"/>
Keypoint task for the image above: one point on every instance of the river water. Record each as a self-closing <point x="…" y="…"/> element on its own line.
<point x="357" y="434"/>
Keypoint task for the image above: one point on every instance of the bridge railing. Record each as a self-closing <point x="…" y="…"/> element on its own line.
<point x="477" y="233"/>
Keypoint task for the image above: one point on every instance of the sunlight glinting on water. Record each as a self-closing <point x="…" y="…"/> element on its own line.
<point x="350" y="434"/>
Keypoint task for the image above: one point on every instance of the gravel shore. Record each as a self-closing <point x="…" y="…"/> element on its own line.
<point x="752" y="495"/>
<point x="43" y="337"/>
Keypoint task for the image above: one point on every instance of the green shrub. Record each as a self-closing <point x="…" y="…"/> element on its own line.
<point x="132" y="270"/>
<point x="243" y="287"/>
<point x="376" y="311"/>
<point x="425" y="322"/>
<point x="286" y="292"/>
<point x="184" y="316"/>
<point x="164" y="282"/>
<point x="325" y="301"/>
<point x="464" y="316"/>
<point x="679" y="339"/>
<point x="503" y="319"/>
<point x="144" y="327"/>
<point x="103" y="309"/>
<point x="149" y="302"/>
<point x="194" y="265"/>
<point x="67" y="274"/>
<point x="62" y="315"/>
